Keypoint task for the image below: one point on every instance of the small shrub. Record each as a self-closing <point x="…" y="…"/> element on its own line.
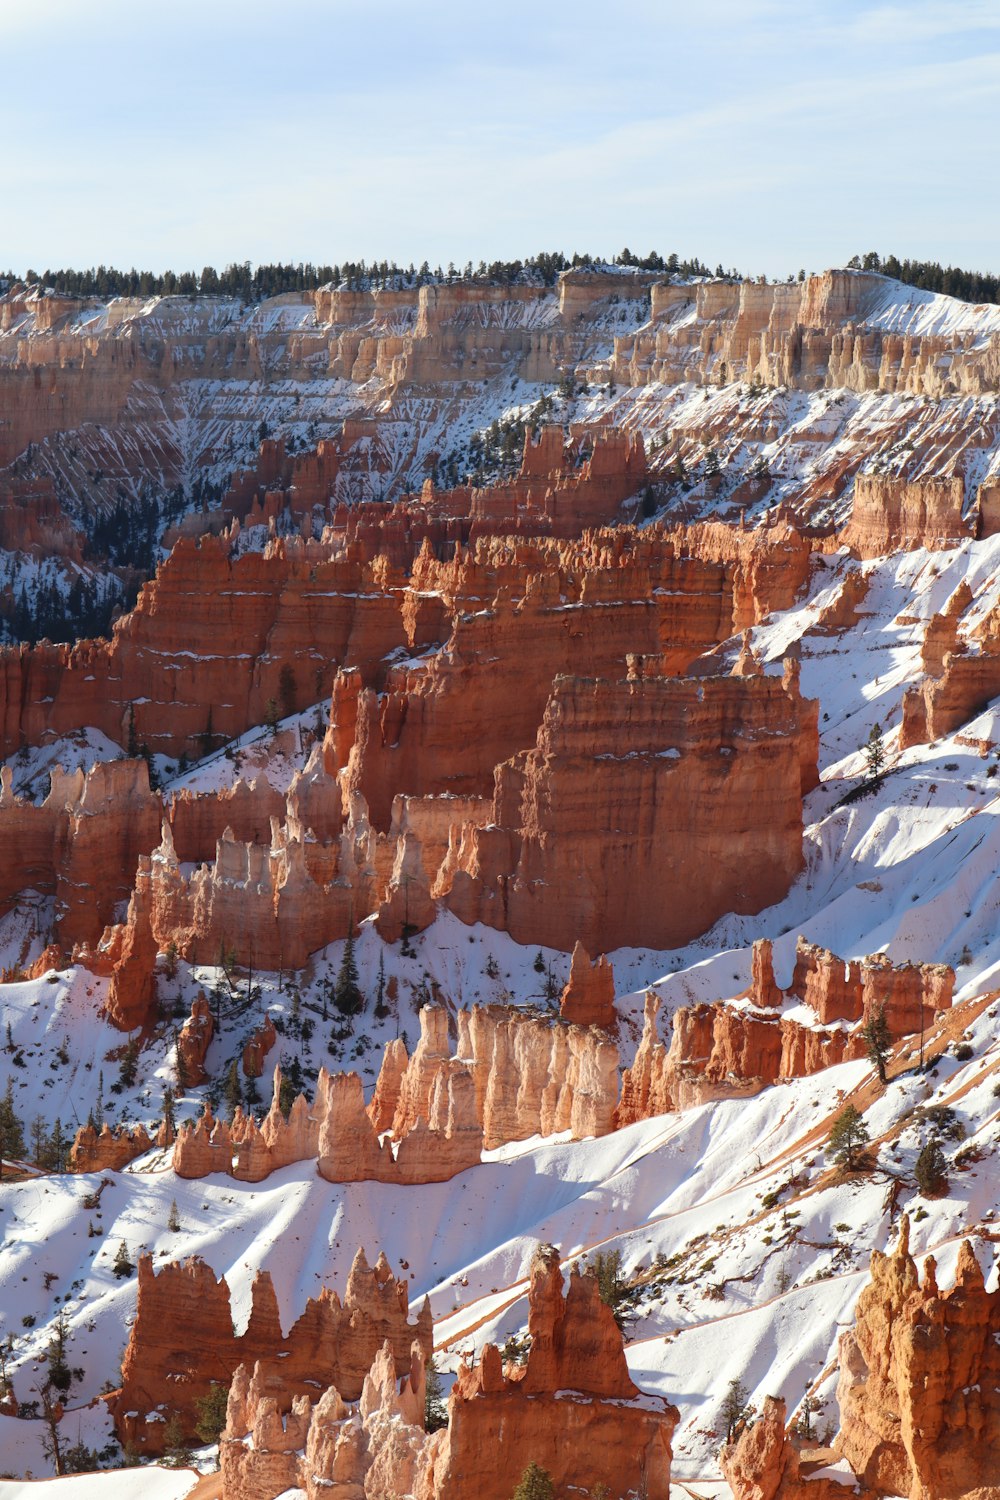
<point x="964" y="1052"/>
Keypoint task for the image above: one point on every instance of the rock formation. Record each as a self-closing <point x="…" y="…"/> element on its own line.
<point x="919" y="1389"/>
<point x="962" y="674"/>
<point x="113" y="1147"/>
<point x="183" y="1339"/>
<point x="893" y="515"/>
<point x="571" y="1408"/>
<point x="737" y="1047"/>
<point x="632" y="787"/>
<point x="589" y="996"/>
<point x="762" y="1463"/>
<point x="431" y="1115"/>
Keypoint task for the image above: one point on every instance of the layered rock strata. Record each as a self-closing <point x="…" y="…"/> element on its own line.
<point x="919" y="1389"/>
<point x="636" y="787"/>
<point x="734" y="1048"/>
<point x="183" y="1340"/>
<point x="571" y="1408"/>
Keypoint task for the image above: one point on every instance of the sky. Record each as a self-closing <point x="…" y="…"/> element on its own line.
<point x="768" y="135"/>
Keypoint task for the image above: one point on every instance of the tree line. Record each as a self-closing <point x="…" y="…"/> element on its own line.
<point x="931" y="276"/>
<point x="255" y="283"/>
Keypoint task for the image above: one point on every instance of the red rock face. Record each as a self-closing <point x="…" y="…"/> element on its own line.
<point x="109" y="1149"/>
<point x="634" y="786"/>
<point x="891" y="515"/>
<point x="962" y="675"/>
<point x="431" y="1115"/>
<point x="589" y="996"/>
<point x="723" y="1049"/>
<point x="576" y="1350"/>
<point x="82" y="844"/>
<point x="761" y="1463"/>
<point x="919" y="1389"/>
<point x="572" y="1409"/>
<point x="183" y="1339"/>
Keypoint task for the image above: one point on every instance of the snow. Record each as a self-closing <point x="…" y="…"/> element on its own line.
<point x="728" y="1288"/>
<point x="151" y="1482"/>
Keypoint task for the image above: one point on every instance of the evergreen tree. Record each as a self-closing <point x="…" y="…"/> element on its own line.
<point x="535" y="1484"/>
<point x="174" y="1221"/>
<point x="11" y="1129"/>
<point x="233" y="1093"/>
<point x="169" y="1103"/>
<point x="176" y="1449"/>
<point x="735" y="1410"/>
<point x="129" y="1065"/>
<point x="931" y="1170"/>
<point x="606" y="1267"/>
<point x="58" y="1148"/>
<point x="122" y="1266"/>
<point x="848" y="1139"/>
<point x="381" y="1009"/>
<point x="875" y="753"/>
<point x="435" y="1410"/>
<point x="211" y="1409"/>
<point x="347" y="995"/>
<point x="878" y="1042"/>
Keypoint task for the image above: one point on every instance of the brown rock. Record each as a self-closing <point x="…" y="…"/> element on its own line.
<point x="589" y="997"/>
<point x="183" y="1338"/>
<point x="193" y="1042"/>
<point x="919" y="1389"/>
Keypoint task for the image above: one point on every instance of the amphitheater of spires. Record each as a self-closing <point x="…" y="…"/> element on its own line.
<point x="589" y="804"/>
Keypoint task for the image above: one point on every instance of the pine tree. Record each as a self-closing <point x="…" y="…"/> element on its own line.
<point x="931" y="1170"/>
<point x="233" y="1093"/>
<point x="848" y="1139"/>
<point x="435" y="1411"/>
<point x="11" y="1129"/>
<point x="878" y="1042"/>
<point x="176" y="1450"/>
<point x="734" y="1407"/>
<point x="347" y="996"/>
<point x="58" y="1148"/>
<point x="381" y="1009"/>
<point x="129" y="1065"/>
<point x="174" y="1221"/>
<point x="612" y="1285"/>
<point x="122" y="1266"/>
<point x="169" y="1102"/>
<point x="875" y="753"/>
<point x="211" y="1409"/>
<point x="535" y="1484"/>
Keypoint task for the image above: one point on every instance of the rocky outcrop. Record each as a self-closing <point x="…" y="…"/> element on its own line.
<point x="589" y="996"/>
<point x="893" y="515"/>
<point x="647" y="1086"/>
<point x="919" y="1389"/>
<point x="762" y="1463"/>
<point x="338" y="1132"/>
<point x="571" y="1408"/>
<point x="636" y="786"/>
<point x="112" y="1147"/>
<point x="81" y="845"/>
<point x="732" y="1048"/>
<point x="962" y="674"/>
<point x="528" y="1077"/>
<point x="193" y="1042"/>
<point x="183" y="1339"/>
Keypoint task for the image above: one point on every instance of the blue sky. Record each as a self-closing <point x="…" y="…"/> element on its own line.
<point x="769" y="134"/>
